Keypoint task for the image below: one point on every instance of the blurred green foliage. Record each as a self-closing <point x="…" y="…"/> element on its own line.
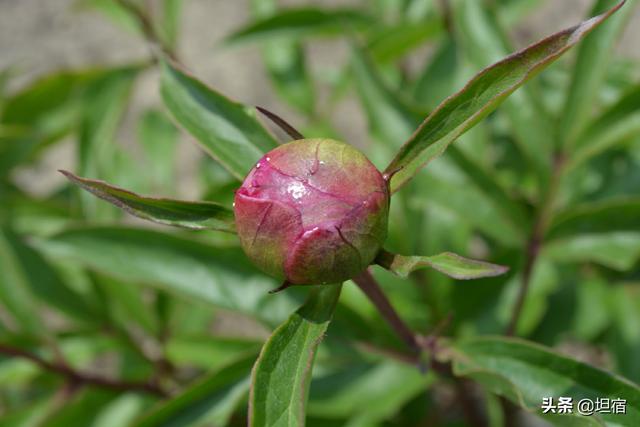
<point x="107" y="322"/>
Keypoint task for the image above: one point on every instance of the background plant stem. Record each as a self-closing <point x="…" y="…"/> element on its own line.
<point x="80" y="378"/>
<point x="536" y="240"/>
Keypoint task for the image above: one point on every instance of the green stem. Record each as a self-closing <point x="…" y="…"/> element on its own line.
<point x="536" y="239"/>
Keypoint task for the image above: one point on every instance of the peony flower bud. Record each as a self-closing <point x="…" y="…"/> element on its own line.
<point x="312" y="211"/>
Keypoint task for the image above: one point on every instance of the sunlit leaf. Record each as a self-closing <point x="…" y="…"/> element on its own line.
<point x="618" y="214"/>
<point x="484" y="41"/>
<point x="170" y="21"/>
<point x="525" y="373"/>
<point x="393" y="42"/>
<point x="389" y="118"/>
<point x="282" y="374"/>
<point x="194" y="215"/>
<point x="300" y="22"/>
<point x="104" y="105"/>
<point x="364" y="392"/>
<point x="159" y="137"/>
<point x="210" y="401"/>
<point x="285" y="61"/>
<point x="220" y="276"/>
<point x="27" y="280"/>
<point x="617" y="250"/>
<point x="479" y="97"/>
<point x="210" y="352"/>
<point x="116" y="12"/>
<point x="226" y="130"/>
<point x="589" y="71"/>
<point x="615" y="125"/>
<point x="437" y="80"/>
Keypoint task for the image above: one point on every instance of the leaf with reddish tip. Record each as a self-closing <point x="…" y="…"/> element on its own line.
<point x="480" y="96"/>
<point x="448" y="263"/>
<point x="187" y="214"/>
<point x="281" y="376"/>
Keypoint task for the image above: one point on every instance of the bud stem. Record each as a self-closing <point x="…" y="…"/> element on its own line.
<point x="367" y="283"/>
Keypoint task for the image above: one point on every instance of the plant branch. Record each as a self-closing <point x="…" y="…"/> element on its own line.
<point x="371" y="289"/>
<point x="80" y="378"/>
<point x="148" y="29"/>
<point x="535" y="242"/>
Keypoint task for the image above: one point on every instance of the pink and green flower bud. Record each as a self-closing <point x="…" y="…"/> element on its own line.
<point x="312" y="211"/>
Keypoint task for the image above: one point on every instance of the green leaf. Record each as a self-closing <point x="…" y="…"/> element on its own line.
<point x="617" y="250"/>
<point x="455" y="198"/>
<point x="438" y="78"/>
<point x="618" y="123"/>
<point x="448" y="263"/>
<point x="281" y="376"/>
<point x="209" y="352"/>
<point x="25" y="276"/>
<point x="589" y="72"/>
<point x="393" y="42"/>
<point x="49" y="105"/>
<point x="543" y="283"/>
<point x="121" y="411"/>
<point x="479" y="97"/>
<point x="389" y="118"/>
<point x="41" y="114"/>
<point x="210" y="401"/>
<point x="216" y="275"/>
<point x="525" y="373"/>
<point x="296" y="23"/>
<point x="159" y="137"/>
<point x="484" y="41"/>
<point x="80" y="407"/>
<point x="372" y="393"/>
<point x="226" y="130"/>
<point x="104" y="105"/>
<point x="125" y="305"/>
<point x="170" y="22"/>
<point x="286" y="64"/>
<point x="193" y="215"/>
<point x="15" y="292"/>
<point x="117" y="13"/>
<point x="485" y="180"/>
<point x="619" y="214"/>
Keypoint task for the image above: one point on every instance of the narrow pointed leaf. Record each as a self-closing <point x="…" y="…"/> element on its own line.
<point x="620" y="214"/>
<point x="525" y="373"/>
<point x="616" y="250"/>
<point x="589" y="71"/>
<point x="484" y="41"/>
<point x="282" y="373"/>
<point x="479" y="97"/>
<point x="226" y="130"/>
<point x="193" y="215"/>
<point x="615" y="125"/>
<point x="27" y="280"/>
<point x="285" y="62"/>
<point x="221" y="276"/>
<point x="103" y="108"/>
<point x="391" y="120"/>
<point x="448" y="263"/>
<point x="300" y="22"/>
<point x="210" y="401"/>
<point x="159" y="137"/>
